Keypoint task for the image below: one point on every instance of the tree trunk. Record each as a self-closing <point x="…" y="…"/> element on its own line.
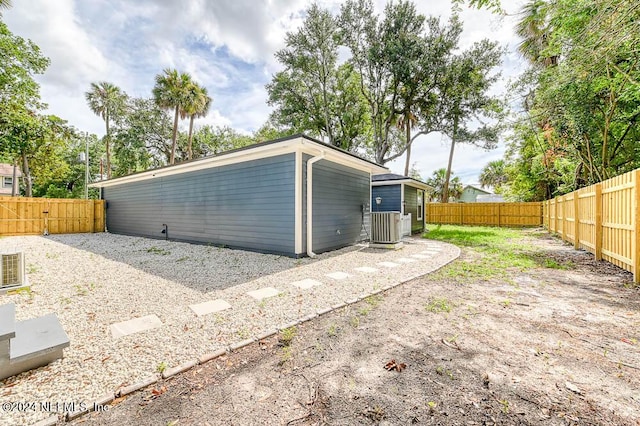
<point x="408" y="161"/>
<point x="189" y="150"/>
<point x="14" y="180"/>
<point x="107" y="143"/>
<point x="445" y="190"/>
<point x="174" y="137"/>
<point x="27" y="176"/>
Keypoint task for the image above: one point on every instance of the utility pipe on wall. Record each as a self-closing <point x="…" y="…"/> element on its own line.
<point x="310" y="162"/>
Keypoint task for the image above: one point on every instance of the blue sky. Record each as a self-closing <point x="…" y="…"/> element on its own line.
<point x="227" y="46"/>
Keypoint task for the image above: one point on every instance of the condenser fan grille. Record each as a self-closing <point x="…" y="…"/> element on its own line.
<point x="11" y="267"/>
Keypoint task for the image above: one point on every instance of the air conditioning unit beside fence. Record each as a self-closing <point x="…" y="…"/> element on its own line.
<point x="386" y="227"/>
<point x="11" y="269"/>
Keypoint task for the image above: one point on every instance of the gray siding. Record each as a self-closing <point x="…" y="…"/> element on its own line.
<point x="246" y="205"/>
<point x="411" y="206"/>
<point x="338" y="195"/>
<point x="391" y="198"/>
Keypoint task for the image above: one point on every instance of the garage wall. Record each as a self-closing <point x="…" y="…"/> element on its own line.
<point x="338" y="195"/>
<point x="245" y="205"/>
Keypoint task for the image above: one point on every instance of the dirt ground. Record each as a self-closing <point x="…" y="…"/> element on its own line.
<point x="541" y="346"/>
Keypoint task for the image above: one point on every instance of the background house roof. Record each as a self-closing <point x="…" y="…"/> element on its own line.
<point x="7" y="170"/>
<point x="484" y="191"/>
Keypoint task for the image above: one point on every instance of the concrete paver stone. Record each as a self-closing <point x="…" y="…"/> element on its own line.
<point x="135" y="325"/>
<point x="421" y="256"/>
<point x="263" y="293"/>
<point x="338" y="275"/>
<point x="366" y="269"/>
<point x="388" y="264"/>
<point x="306" y="283"/>
<point x="212" y="306"/>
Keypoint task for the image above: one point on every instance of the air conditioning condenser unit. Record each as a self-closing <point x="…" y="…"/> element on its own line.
<point x="11" y="269"/>
<point x="386" y="227"/>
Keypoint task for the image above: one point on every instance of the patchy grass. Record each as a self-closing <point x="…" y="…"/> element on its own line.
<point x="474" y="236"/>
<point x="355" y="322"/>
<point x="333" y="330"/>
<point x="156" y="250"/>
<point x="374" y="300"/>
<point x="552" y="264"/>
<point x="286" y="336"/>
<point x="364" y="311"/>
<point x="243" y="333"/>
<point x="445" y="372"/>
<point x="438" y="305"/>
<point x="493" y="251"/>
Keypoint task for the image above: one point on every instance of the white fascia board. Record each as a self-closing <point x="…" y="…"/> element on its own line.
<point x="312" y="148"/>
<point x="403" y="182"/>
<point x="257" y="153"/>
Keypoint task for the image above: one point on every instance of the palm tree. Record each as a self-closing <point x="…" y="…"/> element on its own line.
<point x="437" y="182"/>
<point x="197" y="105"/>
<point x="535" y="30"/>
<point x="171" y="92"/>
<point x="106" y="99"/>
<point x="493" y="175"/>
<point x="5" y="4"/>
<point x="455" y="188"/>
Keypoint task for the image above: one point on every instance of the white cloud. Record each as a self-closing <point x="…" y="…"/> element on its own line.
<point x="214" y="118"/>
<point x="431" y="152"/>
<point x="227" y="46"/>
<point x="56" y="29"/>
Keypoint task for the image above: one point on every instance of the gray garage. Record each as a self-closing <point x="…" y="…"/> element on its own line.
<point x="267" y="197"/>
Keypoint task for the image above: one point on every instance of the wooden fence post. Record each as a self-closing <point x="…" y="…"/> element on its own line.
<point x="549" y="216"/>
<point x="636" y="227"/>
<point x="92" y="217"/>
<point x="546" y="215"/>
<point x="555" y="215"/>
<point x="598" y="243"/>
<point x="564" y="218"/>
<point x="499" y="224"/>
<point x="576" y="221"/>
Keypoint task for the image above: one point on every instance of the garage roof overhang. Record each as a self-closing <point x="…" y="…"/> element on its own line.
<point x="291" y="144"/>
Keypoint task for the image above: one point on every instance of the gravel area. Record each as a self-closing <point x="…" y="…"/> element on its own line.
<point x="94" y="280"/>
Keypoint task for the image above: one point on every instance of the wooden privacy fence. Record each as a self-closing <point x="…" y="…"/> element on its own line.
<point x="602" y="219"/>
<point x="488" y="214"/>
<point x="24" y="216"/>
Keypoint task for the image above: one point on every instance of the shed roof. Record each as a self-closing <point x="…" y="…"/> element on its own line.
<point x="484" y="191"/>
<point x="7" y="170"/>
<point x="392" y="178"/>
<point x="280" y="146"/>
